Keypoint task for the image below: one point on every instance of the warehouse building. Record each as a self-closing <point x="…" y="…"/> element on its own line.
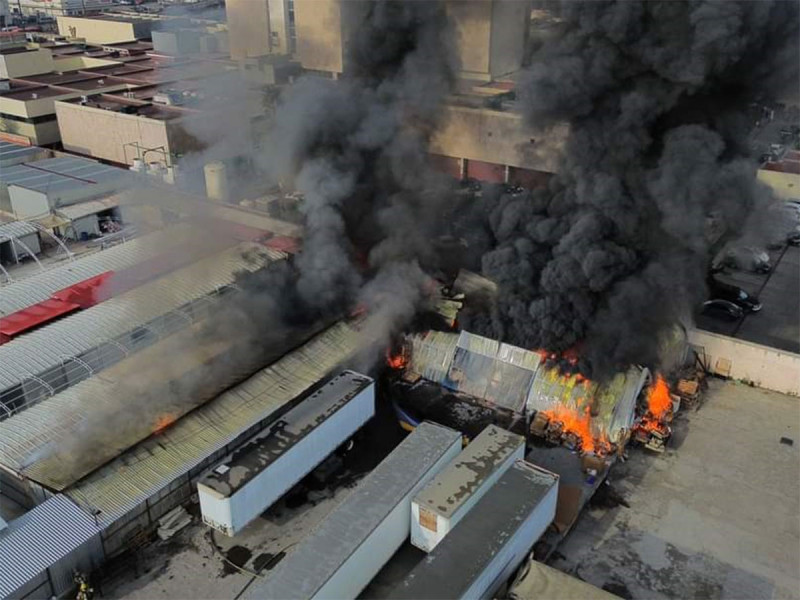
<point x="143" y="481"/>
<point x="56" y="185"/>
<point x="40" y="549"/>
<point x="49" y="360"/>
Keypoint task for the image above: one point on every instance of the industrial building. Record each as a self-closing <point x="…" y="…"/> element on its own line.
<point x="18" y="240"/>
<point x="128" y="482"/>
<point x="72" y="349"/>
<point x="37" y="189"/>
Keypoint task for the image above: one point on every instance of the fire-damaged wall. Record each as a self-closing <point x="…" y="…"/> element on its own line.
<point x="496" y="137"/>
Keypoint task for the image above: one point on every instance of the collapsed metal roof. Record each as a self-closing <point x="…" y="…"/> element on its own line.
<point x="516" y="379"/>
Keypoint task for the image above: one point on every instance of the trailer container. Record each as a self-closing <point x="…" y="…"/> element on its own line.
<point x="238" y="490"/>
<point x="340" y="557"/>
<point x="442" y="503"/>
<point x="490" y="542"/>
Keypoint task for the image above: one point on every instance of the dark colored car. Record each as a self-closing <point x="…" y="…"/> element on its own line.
<point x="718" y="290"/>
<point x="722" y="309"/>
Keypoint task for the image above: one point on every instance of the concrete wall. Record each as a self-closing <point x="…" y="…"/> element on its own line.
<point x="99" y="31"/>
<point x="279" y="26"/>
<point x="22" y="64"/>
<point x="510" y="23"/>
<point x="472" y="21"/>
<point x="103" y="134"/>
<point x="763" y="366"/>
<point x="38" y="134"/>
<point x="490" y="35"/>
<point x="496" y="137"/>
<point x="320" y="35"/>
<point x="27" y="204"/>
<point x="786" y="185"/>
<point x="248" y="27"/>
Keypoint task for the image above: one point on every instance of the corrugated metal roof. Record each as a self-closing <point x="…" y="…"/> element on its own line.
<point x="477" y="366"/>
<point x="16" y="153"/>
<point x="40" y="350"/>
<point x="25" y="292"/>
<point x="50" y="532"/>
<point x="84" y="209"/>
<point x="127" y="481"/>
<point x="54" y="175"/>
<point x="15" y="229"/>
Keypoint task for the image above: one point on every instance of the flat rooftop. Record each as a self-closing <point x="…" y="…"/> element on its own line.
<point x="313" y="409"/>
<point x="777" y="324"/>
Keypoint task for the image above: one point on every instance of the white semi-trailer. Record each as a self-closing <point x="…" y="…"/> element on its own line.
<point x="490" y="542"/>
<point x="238" y="490"/>
<point x="441" y="504"/>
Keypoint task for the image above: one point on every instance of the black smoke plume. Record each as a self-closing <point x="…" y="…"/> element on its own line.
<point x="615" y="252"/>
<point x="357" y="149"/>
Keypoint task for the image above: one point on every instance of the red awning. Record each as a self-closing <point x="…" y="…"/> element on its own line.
<point x="85" y="293"/>
<point x="34" y="316"/>
<point x="283" y="243"/>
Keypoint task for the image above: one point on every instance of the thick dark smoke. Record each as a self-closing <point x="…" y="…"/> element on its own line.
<point x="655" y="93"/>
<point x="357" y="149"/>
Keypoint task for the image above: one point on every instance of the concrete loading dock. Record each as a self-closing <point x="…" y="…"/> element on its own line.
<point x="340" y="557"/>
<point x="485" y="548"/>
<point x="441" y="504"/>
<point x="237" y="491"/>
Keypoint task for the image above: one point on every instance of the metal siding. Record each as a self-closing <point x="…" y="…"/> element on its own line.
<point x="16" y="230"/>
<point x="143" y="470"/>
<point x="51" y="531"/>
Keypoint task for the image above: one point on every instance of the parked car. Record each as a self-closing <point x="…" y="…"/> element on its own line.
<point x="719" y="290"/>
<point x="722" y="309"/>
<point x="748" y="258"/>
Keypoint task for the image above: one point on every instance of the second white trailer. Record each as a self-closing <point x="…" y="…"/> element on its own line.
<point x="237" y="491"/>
<point x="490" y="542"/>
<point x="448" y="497"/>
<point x="342" y="555"/>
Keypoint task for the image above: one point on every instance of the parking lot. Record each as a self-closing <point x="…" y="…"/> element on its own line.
<point x="777" y="324"/>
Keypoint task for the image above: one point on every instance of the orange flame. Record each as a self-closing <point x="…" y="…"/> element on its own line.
<point x="575" y="423"/>
<point x="397" y="361"/>
<point x="162" y="422"/>
<point x="659" y="403"/>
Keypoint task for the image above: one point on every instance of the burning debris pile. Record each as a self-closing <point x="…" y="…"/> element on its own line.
<point x="595" y="419"/>
<point x="653" y="429"/>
